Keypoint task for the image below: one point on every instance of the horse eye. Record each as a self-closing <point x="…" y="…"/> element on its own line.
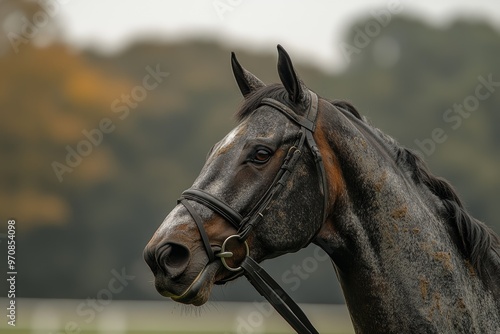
<point x="261" y="156"/>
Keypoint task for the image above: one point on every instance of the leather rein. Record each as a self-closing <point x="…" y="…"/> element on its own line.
<point x="257" y="276"/>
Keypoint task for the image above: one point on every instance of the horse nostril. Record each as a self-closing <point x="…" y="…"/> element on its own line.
<point x="172" y="258"/>
<point x="149" y="257"/>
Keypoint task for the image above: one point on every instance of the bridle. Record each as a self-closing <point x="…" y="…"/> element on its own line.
<point x="259" y="278"/>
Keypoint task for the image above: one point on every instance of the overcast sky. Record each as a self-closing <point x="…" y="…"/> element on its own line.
<point x="312" y="30"/>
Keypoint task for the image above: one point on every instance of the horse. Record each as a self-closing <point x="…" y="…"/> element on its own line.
<point x="300" y="169"/>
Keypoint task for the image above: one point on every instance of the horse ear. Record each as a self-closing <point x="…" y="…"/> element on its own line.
<point x="247" y="82"/>
<point x="288" y="76"/>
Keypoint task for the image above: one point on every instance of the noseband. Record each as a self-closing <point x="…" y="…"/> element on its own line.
<point x="260" y="279"/>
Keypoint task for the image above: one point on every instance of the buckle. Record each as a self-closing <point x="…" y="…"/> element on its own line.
<point x="224" y="254"/>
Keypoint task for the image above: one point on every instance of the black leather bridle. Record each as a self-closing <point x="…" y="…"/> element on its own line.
<point x="257" y="276"/>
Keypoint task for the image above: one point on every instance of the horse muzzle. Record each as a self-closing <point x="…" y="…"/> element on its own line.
<point x="179" y="274"/>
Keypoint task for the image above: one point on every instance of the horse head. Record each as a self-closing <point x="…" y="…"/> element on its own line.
<point x="260" y="182"/>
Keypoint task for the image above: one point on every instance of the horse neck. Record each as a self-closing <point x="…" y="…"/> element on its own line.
<point x="398" y="266"/>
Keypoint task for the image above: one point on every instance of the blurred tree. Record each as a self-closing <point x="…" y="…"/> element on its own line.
<point x="73" y="233"/>
<point x="26" y="22"/>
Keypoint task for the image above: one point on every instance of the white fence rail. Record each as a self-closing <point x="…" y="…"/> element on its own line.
<point x="55" y="316"/>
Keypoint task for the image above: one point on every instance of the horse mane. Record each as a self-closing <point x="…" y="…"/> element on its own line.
<point x="478" y="243"/>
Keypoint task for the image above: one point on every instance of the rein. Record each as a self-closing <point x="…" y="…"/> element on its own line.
<point x="257" y="276"/>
